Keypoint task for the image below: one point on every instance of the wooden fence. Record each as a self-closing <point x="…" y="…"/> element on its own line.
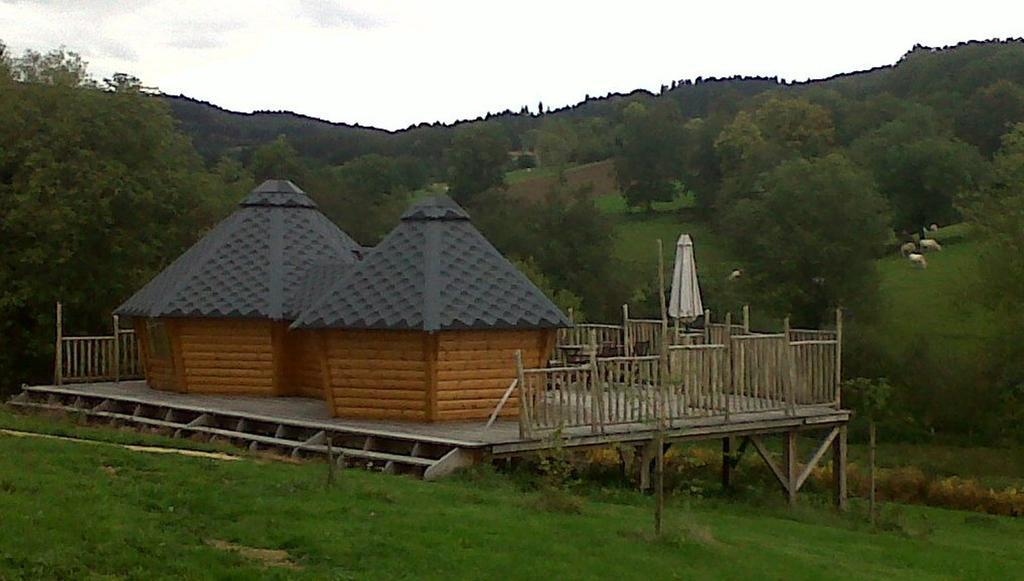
<point x="91" y="358"/>
<point x="722" y="371"/>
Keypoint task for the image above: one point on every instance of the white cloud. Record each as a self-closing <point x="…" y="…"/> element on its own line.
<point x="393" y="63"/>
<point x="331" y="13"/>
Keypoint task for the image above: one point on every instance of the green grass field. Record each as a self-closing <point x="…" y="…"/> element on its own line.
<point x="74" y="510"/>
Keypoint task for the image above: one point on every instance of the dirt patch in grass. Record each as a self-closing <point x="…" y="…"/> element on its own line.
<point x="599" y="176"/>
<point x="265" y="557"/>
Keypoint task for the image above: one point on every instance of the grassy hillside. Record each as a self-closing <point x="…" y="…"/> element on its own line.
<point x="72" y="510"/>
<point x="939" y="303"/>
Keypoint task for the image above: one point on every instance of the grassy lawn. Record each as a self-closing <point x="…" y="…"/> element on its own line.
<point x="938" y="303"/>
<point x="70" y="510"/>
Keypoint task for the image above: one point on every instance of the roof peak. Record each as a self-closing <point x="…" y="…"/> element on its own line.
<point x="279" y="193"/>
<point x="439" y="207"/>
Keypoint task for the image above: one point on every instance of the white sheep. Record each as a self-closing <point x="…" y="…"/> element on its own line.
<point x="918" y="260"/>
<point x="735" y="274"/>
<point x="908" y="248"/>
<point x="929" y="244"/>
<point x="934" y="227"/>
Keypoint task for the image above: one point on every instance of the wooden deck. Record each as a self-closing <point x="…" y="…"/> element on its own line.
<point x="501" y="438"/>
<point x="303" y="427"/>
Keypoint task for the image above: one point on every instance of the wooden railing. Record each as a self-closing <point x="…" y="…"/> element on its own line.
<point x="744" y="372"/>
<point x="96" y="357"/>
<point x="643" y="336"/>
<point x="760" y="377"/>
<point x="585" y="333"/>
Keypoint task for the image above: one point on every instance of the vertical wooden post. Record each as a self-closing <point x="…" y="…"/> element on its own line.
<point x="661" y="298"/>
<point x="871" y="473"/>
<point x="117" y="349"/>
<point x="627" y="340"/>
<point x="58" y="359"/>
<point x="572" y="316"/>
<point x="728" y="387"/>
<point x="524" y="406"/>
<point x="839" y="358"/>
<point x="659" y="482"/>
<point x="330" y="462"/>
<point x="789" y="370"/>
<point x="596" y="421"/>
<point x="839" y="469"/>
<point x="746" y="319"/>
<point x="727" y="463"/>
<point x="707" y="326"/>
<point x="790" y="454"/>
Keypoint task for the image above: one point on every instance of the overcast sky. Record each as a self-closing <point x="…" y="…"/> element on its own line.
<point x="391" y="63"/>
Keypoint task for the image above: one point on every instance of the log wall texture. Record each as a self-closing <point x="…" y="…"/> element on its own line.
<point x="302" y="364"/>
<point x="475" y="368"/>
<point x="231" y="356"/>
<point x="375" y="374"/>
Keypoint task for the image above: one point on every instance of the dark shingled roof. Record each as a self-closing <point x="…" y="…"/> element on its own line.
<point x="253" y="264"/>
<point x="433" y="272"/>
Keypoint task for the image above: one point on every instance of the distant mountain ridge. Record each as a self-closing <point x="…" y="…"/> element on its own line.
<point x="956" y="70"/>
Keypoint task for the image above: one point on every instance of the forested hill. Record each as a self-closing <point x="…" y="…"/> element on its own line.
<point x="945" y="79"/>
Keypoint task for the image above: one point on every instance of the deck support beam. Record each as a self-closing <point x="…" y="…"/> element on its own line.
<point x="731" y="459"/>
<point x="789" y="456"/>
<point x="839" y="468"/>
<point x="727" y="463"/>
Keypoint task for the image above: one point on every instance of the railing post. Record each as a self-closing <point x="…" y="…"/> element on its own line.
<point x="790" y="369"/>
<point x="727" y="388"/>
<point x="596" y="417"/>
<point x="58" y="359"/>
<point x="746" y="319"/>
<point x="707" y="326"/>
<point x="117" y="350"/>
<point x="661" y="296"/>
<point x="627" y="339"/>
<point x="839" y="357"/>
<point x="524" y="408"/>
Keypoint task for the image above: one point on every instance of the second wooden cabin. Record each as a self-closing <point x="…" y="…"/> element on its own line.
<point x="426" y="326"/>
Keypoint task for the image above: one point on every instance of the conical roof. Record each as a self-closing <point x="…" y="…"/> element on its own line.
<point x="253" y="264"/>
<point x="433" y="272"/>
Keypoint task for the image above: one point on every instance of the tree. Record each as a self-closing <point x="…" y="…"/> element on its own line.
<point x="997" y="212"/>
<point x="758" y="140"/>
<point x="811" y="238"/>
<point x="278" y="160"/>
<point x="476" y="161"/>
<point x="566" y="237"/>
<point x="990" y="113"/>
<point x="365" y="196"/>
<point x="555" y="143"/>
<point x="98" y="192"/>
<point x="920" y="168"/>
<point x="650" y="161"/>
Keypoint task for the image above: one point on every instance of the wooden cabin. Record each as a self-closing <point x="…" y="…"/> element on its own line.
<point x="427" y="325"/>
<point x="216" y="320"/>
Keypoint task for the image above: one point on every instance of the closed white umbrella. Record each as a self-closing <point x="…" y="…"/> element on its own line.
<point x="685" y="303"/>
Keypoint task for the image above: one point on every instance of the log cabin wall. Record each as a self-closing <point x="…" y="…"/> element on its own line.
<point x="156" y="352"/>
<point x="302" y="364"/>
<point x="475" y="368"/>
<point x="231" y="356"/>
<point x="375" y="374"/>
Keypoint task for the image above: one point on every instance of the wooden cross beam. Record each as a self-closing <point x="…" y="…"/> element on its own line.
<point x="789" y="479"/>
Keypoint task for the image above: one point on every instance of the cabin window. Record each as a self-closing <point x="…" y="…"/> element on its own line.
<point x="159" y="342"/>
